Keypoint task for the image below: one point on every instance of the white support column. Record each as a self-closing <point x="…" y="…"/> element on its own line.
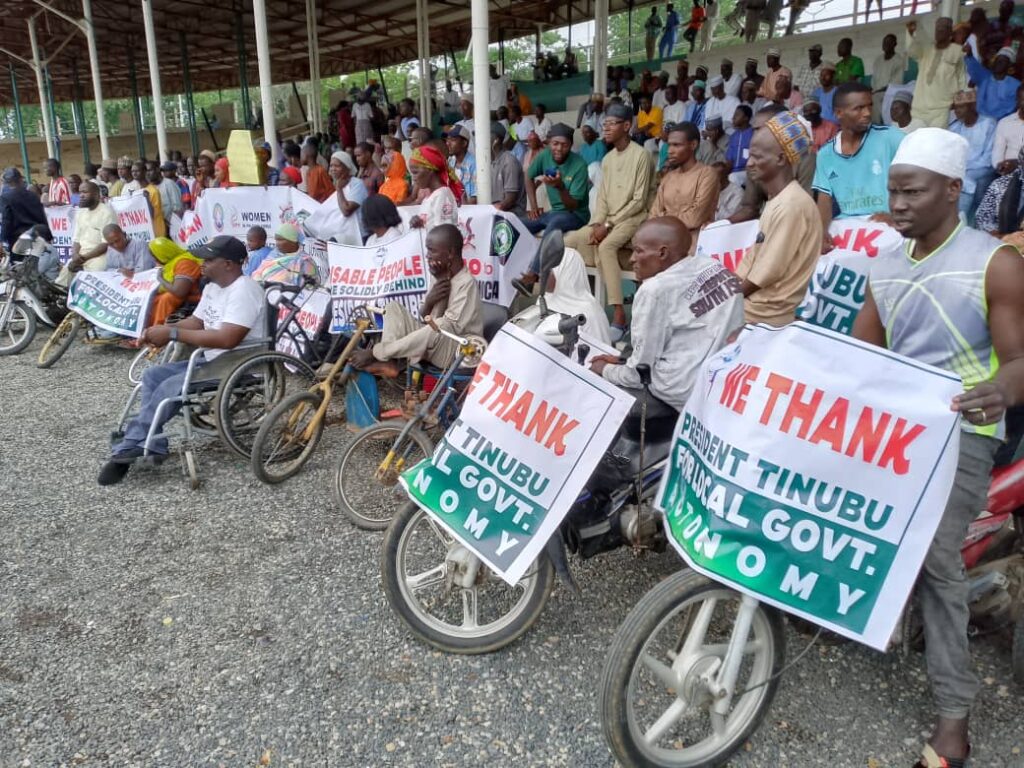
<point x="94" y="66"/>
<point x="37" y="67"/>
<point x="312" y="42"/>
<point x="259" y="14"/>
<point x="600" y="57"/>
<point x="154" y="81"/>
<point x="481" y="88"/>
<point x="948" y="9"/>
<point x="428" y="110"/>
<point x="420" y="44"/>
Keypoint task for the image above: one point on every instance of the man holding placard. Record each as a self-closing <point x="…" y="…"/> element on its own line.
<point x="969" y="320"/>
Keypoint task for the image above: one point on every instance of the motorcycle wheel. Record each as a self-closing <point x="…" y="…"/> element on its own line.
<point x="19" y="327"/>
<point x="654" y="709"/>
<point x="251" y="391"/>
<point x="1017" y="657"/>
<point x="60" y="341"/>
<point x="420" y="583"/>
<point x="368" y="500"/>
<point x="281" y="448"/>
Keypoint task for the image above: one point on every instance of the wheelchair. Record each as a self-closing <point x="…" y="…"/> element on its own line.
<point x="228" y="397"/>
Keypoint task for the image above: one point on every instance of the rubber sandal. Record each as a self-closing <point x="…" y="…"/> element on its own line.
<point x="931" y="759"/>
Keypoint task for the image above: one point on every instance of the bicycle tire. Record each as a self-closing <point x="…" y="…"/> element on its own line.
<point x="274" y="459"/>
<point x="60" y="341"/>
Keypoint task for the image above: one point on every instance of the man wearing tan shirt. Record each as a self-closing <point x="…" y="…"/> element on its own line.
<point x="689" y="190"/>
<point x="777" y="269"/>
<point x="941" y="72"/>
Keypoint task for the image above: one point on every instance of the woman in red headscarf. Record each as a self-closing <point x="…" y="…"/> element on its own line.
<point x="222" y="174"/>
<point x="430" y="172"/>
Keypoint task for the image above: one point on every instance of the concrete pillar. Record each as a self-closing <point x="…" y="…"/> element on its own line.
<point x="259" y="13"/>
<point x="37" y="66"/>
<point x="97" y="87"/>
<point x="154" y="81"/>
<point x="481" y="89"/>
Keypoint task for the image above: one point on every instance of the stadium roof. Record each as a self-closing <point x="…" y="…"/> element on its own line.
<point x="354" y="35"/>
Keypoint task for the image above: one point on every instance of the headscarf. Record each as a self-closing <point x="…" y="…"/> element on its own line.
<point x="791" y="135"/>
<point x="346" y="159"/>
<point x="395" y="186"/>
<point x="292" y="173"/>
<point x="168" y="253"/>
<point x="428" y="157"/>
<point x="222" y="163"/>
<point x="319" y="185"/>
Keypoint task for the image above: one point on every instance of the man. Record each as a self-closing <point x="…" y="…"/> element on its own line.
<point x="58" y="191"/>
<point x="689" y="189"/>
<point x="707" y="31"/>
<point x="730" y="195"/>
<point x="733" y="80"/>
<point x="542" y="123"/>
<point x="796" y="10"/>
<point x="138" y="178"/>
<point x="648" y="121"/>
<point x="407" y="120"/>
<point x="620" y="208"/>
<point x="720" y="105"/>
<point x="777" y="269"/>
<point x="658" y="98"/>
<point x="88" y="248"/>
<point x="822" y="131"/>
<point x="1009" y="138"/>
<point x="93" y="173"/>
<point x="170" y="192"/>
<point x="593" y="149"/>
<point x="230" y="312"/>
<point x="450" y="105"/>
<point x="124" y="254"/>
<point x="696" y="109"/>
<point x="563" y="174"/>
<point x="751" y="73"/>
<point x="157" y="212"/>
<point x="785" y="95"/>
<point x="941" y="72"/>
<point x="497" y="90"/>
<point x="256" y="249"/>
<point x="668" y="37"/>
<point x="462" y="162"/>
<point x="519" y="128"/>
<point x="268" y="173"/>
<point x="950" y="297"/>
<point x="738" y="150"/>
<point x="714" y="142"/>
<point x="591" y="112"/>
<point x="887" y="70"/>
<point x="808" y="77"/>
<point x="20" y="208"/>
<point x="997" y="91"/>
<point x="851" y="170"/>
<point x="850" y="68"/>
<point x="652" y="26"/>
<point x="452" y="304"/>
<point x="122" y="173"/>
<point x="508" y="183"/>
<point x="901" y="115"/>
<point x="825" y="93"/>
<point x="979" y="132"/>
<point x="674" y="110"/>
<point x="775" y="73"/>
<point x="748" y="96"/>
<point x="697" y="18"/>
<point x="684" y="310"/>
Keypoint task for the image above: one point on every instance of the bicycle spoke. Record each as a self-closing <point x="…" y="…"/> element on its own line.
<point x="695" y="637"/>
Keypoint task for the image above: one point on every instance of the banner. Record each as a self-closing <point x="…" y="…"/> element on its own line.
<point x="532" y="428"/>
<point x="61" y="219"/>
<point x="728" y="243"/>
<point x="188" y="230"/>
<point x="114" y="302"/>
<point x="133" y="216"/>
<point x="234" y="210"/>
<point x="840" y="280"/>
<point x="800" y="475"/>
<point x="396" y="271"/>
<point x="314" y="305"/>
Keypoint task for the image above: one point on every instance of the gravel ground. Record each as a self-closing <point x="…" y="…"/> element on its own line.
<point x="244" y="625"/>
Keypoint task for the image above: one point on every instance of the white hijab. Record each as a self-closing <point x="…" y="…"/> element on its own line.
<point x="572" y="296"/>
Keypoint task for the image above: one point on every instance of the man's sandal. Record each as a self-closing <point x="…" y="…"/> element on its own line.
<point x="931" y="759"/>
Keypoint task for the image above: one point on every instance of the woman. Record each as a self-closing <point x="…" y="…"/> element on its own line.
<point x="395" y="186"/>
<point x="1002" y="207"/>
<point x="431" y="174"/>
<point x="382" y="220"/>
<point x="290" y="177"/>
<point x="152" y="190"/>
<point x="318" y="181"/>
<point x="179" y="279"/>
<point x="222" y="174"/>
<point x="349" y="188"/>
<point x="568" y="292"/>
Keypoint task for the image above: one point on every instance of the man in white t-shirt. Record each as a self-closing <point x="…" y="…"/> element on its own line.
<point x="230" y="312"/>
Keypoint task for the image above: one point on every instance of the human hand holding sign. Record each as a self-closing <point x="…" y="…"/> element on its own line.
<point x="983" y="404"/>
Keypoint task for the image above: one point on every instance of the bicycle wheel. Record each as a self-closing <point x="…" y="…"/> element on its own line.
<point x="287" y="437"/>
<point x="657" y="693"/>
<point x="366" y="493"/>
<point x="19" y="326"/>
<point x="60" y="341"/>
<point x="247" y="394"/>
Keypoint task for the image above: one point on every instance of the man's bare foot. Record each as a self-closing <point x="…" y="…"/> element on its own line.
<point x="361" y="358"/>
<point x="383" y="370"/>
<point x="619" y="315"/>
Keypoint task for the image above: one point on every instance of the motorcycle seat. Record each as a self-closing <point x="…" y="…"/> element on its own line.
<point x="654" y="450"/>
<point x="661" y="419"/>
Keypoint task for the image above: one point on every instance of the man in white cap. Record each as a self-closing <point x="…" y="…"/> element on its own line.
<point x="901" y="114"/>
<point x="658" y="97"/>
<point x="887" y="70"/>
<point x="733" y="80"/>
<point x="967" y="321"/>
<point x="997" y="90"/>
<point x="775" y="72"/>
<point x="941" y="72"/>
<point x="721" y="104"/>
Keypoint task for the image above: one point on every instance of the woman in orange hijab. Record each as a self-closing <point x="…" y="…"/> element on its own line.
<point x="222" y="174"/>
<point x="395" y="186"/>
<point x="318" y="182"/>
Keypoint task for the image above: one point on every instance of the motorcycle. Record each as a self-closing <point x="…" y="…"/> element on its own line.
<point x="694" y="667"/>
<point x="447" y="597"/>
<point x="27" y="297"/>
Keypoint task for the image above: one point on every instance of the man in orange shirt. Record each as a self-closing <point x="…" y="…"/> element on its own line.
<point x="697" y="18"/>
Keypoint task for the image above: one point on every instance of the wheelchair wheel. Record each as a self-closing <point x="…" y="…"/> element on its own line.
<point x="247" y="394"/>
<point x="60" y="340"/>
<point x="191" y="468"/>
<point x="287" y="437"/>
<point x="368" y="494"/>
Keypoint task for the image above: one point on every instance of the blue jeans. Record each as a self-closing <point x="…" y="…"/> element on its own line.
<point x="158" y="383"/>
<point x="969" y="203"/>
<point x="566" y="221"/>
<point x="667" y="44"/>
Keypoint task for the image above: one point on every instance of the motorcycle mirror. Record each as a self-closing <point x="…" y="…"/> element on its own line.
<point x="551" y="251"/>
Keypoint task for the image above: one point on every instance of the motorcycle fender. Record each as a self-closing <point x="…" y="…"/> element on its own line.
<point x="30" y="300"/>
<point x="555" y="550"/>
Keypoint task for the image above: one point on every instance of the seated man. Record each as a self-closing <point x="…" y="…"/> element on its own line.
<point x="88" y="248"/>
<point x="685" y="309"/>
<point x="230" y="312"/>
<point x="453" y="303"/>
<point x="563" y="175"/>
<point x="125" y="255"/>
<point x="179" y="279"/>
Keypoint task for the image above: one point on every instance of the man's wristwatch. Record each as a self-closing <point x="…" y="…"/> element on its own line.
<point x="174" y="334"/>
